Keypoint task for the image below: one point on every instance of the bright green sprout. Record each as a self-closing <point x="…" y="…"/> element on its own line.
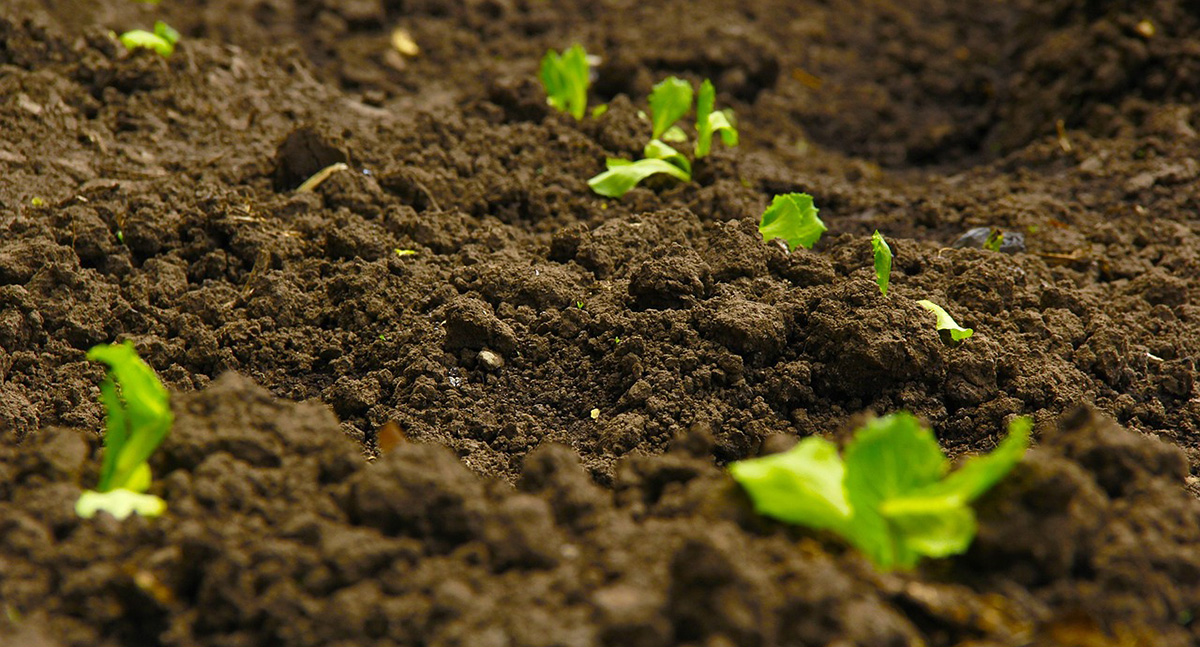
<point x="162" y="40"/>
<point x="883" y="261"/>
<point x="566" y="78"/>
<point x="709" y="121"/>
<point x="994" y="240"/>
<point x="675" y="135"/>
<point x="951" y="333"/>
<point x="406" y="252"/>
<point x="599" y="111"/>
<point x="622" y="175"/>
<point x="792" y="217"/>
<point x="37" y="202"/>
<point x="889" y="494"/>
<point x="138" y="417"/>
<point x="670" y="100"/>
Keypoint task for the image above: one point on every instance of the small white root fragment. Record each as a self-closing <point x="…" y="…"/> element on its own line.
<point x="320" y="176"/>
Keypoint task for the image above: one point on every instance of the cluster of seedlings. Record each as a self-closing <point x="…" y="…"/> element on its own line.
<point x="890" y="493"/>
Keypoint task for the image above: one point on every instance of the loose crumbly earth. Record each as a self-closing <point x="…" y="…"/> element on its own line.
<point x="155" y="200"/>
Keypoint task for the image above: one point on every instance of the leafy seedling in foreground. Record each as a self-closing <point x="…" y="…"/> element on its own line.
<point x="951" y="333"/>
<point x="622" y="175"/>
<point x="710" y="122"/>
<point x="883" y="261"/>
<point x="670" y="100"/>
<point x="792" y="217"/>
<point x="137" y="418"/>
<point x="161" y="40"/>
<point x="566" y="78"/>
<point x="889" y="494"/>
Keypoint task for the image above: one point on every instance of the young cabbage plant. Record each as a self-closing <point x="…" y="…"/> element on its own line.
<point x="792" y="217"/>
<point x="890" y="493"/>
<point x="138" y="417"/>
<point x="622" y="175"/>
<point x="566" y="78"/>
<point x="951" y="333"/>
<point x="883" y="262"/>
<point x="710" y="122"/>
<point x="161" y="40"/>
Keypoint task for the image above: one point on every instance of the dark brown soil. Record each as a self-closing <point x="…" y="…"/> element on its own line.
<point x="166" y="213"/>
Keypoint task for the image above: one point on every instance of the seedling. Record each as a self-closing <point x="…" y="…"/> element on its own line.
<point x="566" y="78"/>
<point x="622" y="174"/>
<point x="883" y="261"/>
<point x="137" y="418"/>
<point x="670" y="100"/>
<point x="994" y="240"/>
<point x="951" y="333"/>
<point x="792" y="217"/>
<point x="161" y="40"/>
<point x="890" y="494"/>
<point x="709" y="121"/>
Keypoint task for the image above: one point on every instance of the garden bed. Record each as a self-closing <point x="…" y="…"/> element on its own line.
<point x="572" y="373"/>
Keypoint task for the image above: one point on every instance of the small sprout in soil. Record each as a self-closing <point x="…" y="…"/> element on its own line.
<point x="138" y="417"/>
<point x="710" y="122"/>
<point x="994" y="240"/>
<point x="670" y="100"/>
<point x="622" y="175"/>
<point x="161" y="40"/>
<point x="674" y="135"/>
<point x="883" y="261"/>
<point x="320" y="176"/>
<point x="595" y="414"/>
<point x="37" y="202"/>
<point x="792" y="217"/>
<point x="566" y="78"/>
<point x="406" y="252"/>
<point x="382" y="337"/>
<point x="951" y="333"/>
<point x="890" y="493"/>
<point x="579" y="305"/>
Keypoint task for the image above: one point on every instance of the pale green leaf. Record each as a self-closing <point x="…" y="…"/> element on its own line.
<point x="670" y="100"/>
<point x="119" y="503"/>
<point x="138" y="414"/>
<point x="623" y="175"/>
<point x="709" y="121"/>
<point x="883" y="262"/>
<point x="802" y="485"/>
<point x="142" y="39"/>
<point x="951" y="333"/>
<point x="792" y="217"/>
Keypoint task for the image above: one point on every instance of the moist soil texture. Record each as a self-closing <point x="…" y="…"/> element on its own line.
<point x="564" y="377"/>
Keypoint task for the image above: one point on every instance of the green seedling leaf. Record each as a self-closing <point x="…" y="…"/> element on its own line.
<point x="792" y="217"/>
<point x="119" y="503"/>
<point x="622" y="175"/>
<point x="803" y="485"/>
<point x="994" y="240"/>
<point x="674" y="135"/>
<point x="890" y="495"/>
<point x="566" y="78"/>
<point x="670" y="100"/>
<point x="709" y="121"/>
<point x="951" y="333"/>
<point x="161" y="40"/>
<point x="599" y="111"/>
<point x="138" y="417"/>
<point x="883" y="261"/>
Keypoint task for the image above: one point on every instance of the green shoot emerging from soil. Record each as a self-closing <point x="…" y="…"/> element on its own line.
<point x="792" y="217"/>
<point x="883" y="262"/>
<point x="138" y="417"/>
<point x="994" y="241"/>
<point x="951" y="333"/>
<point x="890" y="494"/>
<point x="161" y="40"/>
<point x="670" y="100"/>
<point x="622" y="175"/>
<point x="709" y="121"/>
<point x="566" y="78"/>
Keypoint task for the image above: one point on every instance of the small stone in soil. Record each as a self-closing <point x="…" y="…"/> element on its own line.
<point x="1012" y="243"/>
